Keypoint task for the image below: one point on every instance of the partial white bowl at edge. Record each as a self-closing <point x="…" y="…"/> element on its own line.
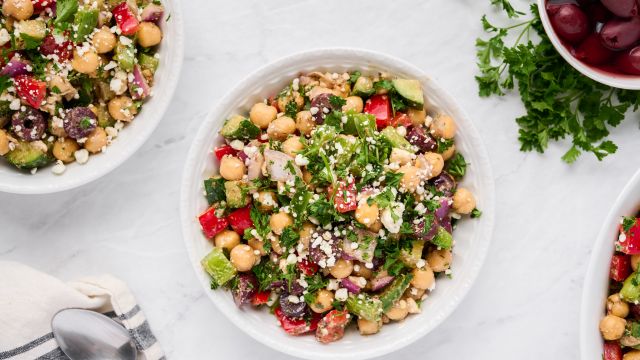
<point x="130" y="138"/>
<point x="472" y="236"/>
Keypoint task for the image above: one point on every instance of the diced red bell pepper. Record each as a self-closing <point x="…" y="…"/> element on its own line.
<point x="63" y="50"/>
<point x="612" y="350"/>
<point x="31" y="90"/>
<point x="240" y="220"/>
<point x="211" y="224"/>
<point x="629" y="243"/>
<point x="223" y="150"/>
<point x="620" y="267"/>
<point x="260" y="298"/>
<point x="307" y="267"/>
<point x="126" y="19"/>
<point x="380" y="107"/>
<point x="345" y="198"/>
<point x="331" y="327"/>
<point x="297" y="326"/>
<point x="401" y="119"/>
<point x="40" y="5"/>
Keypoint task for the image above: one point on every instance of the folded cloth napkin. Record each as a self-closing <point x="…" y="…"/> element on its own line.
<point x="29" y="299"/>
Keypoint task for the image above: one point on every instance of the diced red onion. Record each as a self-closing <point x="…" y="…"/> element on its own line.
<point x="242" y="155"/>
<point x="381" y="282"/>
<point x="443" y="210"/>
<point x="152" y="13"/>
<point x="141" y="89"/>
<point x="14" y="68"/>
<point x="254" y="165"/>
<point x="279" y="164"/>
<point x="360" y="254"/>
<point x="350" y="286"/>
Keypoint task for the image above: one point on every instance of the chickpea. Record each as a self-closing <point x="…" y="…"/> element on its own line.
<point x="399" y="311"/>
<point x="242" y="257"/>
<point x="64" y="148"/>
<point x="632" y="355"/>
<point x="96" y="140"/>
<point x="306" y="176"/>
<point x="376" y="226"/>
<point x="279" y="221"/>
<point x="292" y="146"/>
<point x="104" y="40"/>
<point x="341" y="269"/>
<point x="266" y="200"/>
<point x="415" y="293"/>
<point x="612" y="327"/>
<point x="305" y="234"/>
<point x="463" y="201"/>
<point x="262" y="115"/>
<point x="275" y="245"/>
<point x="304" y="122"/>
<point x="360" y="270"/>
<point x="4" y="142"/>
<point x="635" y="260"/>
<point x="423" y="279"/>
<point x="281" y="127"/>
<point x="121" y="108"/>
<point x="257" y="245"/>
<point x="367" y="327"/>
<point x="439" y="260"/>
<point x="18" y="9"/>
<point x="417" y="116"/>
<point x="227" y="239"/>
<point x="443" y="126"/>
<point x="400" y="156"/>
<point x="232" y="168"/>
<point x="448" y="154"/>
<point x="367" y="214"/>
<point x="354" y="103"/>
<point x="410" y="179"/>
<point x="617" y="307"/>
<point x="323" y="301"/>
<point x="364" y="83"/>
<point x="87" y="63"/>
<point x="436" y="163"/>
<point x="149" y="34"/>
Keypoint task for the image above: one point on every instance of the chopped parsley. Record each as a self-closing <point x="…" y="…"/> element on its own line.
<point x="457" y="166"/>
<point x="628" y="222"/>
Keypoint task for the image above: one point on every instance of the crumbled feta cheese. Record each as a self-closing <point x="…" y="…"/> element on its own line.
<point x="58" y="168"/>
<point x="391" y="217"/>
<point x="82" y="156"/>
<point x="342" y="294"/>
<point x="237" y="145"/>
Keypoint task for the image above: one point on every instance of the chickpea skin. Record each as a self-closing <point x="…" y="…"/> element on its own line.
<point x="436" y="163"/>
<point x="227" y="239"/>
<point x="617" y="307"/>
<point x="367" y="327"/>
<point x="104" y="40"/>
<point x="292" y="146"/>
<point x="18" y="9"/>
<point x="281" y="127"/>
<point x="439" y="260"/>
<point x="305" y="234"/>
<point x="87" y="63"/>
<point x="423" y="279"/>
<point x="279" y="221"/>
<point x="4" y="142"/>
<point x="417" y="116"/>
<point x="121" y="108"/>
<point x="304" y="122"/>
<point x="149" y="34"/>
<point x="307" y="177"/>
<point x="443" y="126"/>
<point x="410" y="179"/>
<point x="354" y="103"/>
<point x="367" y="214"/>
<point x="232" y="168"/>
<point x="96" y="140"/>
<point x="266" y="200"/>
<point x="448" y="154"/>
<point x="612" y="327"/>
<point x="64" y="148"/>
<point x="262" y="115"/>
<point x="399" y="311"/>
<point x="635" y="260"/>
<point x="463" y="201"/>
<point x="323" y="301"/>
<point x="257" y="245"/>
<point x="632" y="355"/>
<point x="341" y="269"/>
<point x="242" y="257"/>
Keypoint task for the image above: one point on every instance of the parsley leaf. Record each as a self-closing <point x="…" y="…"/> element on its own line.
<point x="5" y="83"/>
<point x="628" y="222"/>
<point x="289" y="237"/>
<point x="291" y="109"/>
<point x="507" y="7"/>
<point x="65" y="9"/>
<point x="354" y="77"/>
<point x="457" y="166"/>
<point x="475" y="213"/>
<point x="30" y="42"/>
<point x="337" y="102"/>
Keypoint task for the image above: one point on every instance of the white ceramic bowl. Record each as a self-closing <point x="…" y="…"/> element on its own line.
<point x="130" y="138"/>
<point x="615" y="80"/>
<point x="472" y="236"/>
<point x="596" y="282"/>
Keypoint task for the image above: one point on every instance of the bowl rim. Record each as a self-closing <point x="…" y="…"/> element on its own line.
<point x="621" y="82"/>
<point x="599" y="265"/>
<point x="160" y="108"/>
<point x="488" y="205"/>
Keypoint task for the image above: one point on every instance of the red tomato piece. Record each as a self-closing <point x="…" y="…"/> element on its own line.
<point x="223" y="150"/>
<point x="345" y="198"/>
<point x="40" y="5"/>
<point x="211" y="224"/>
<point x="331" y="327"/>
<point x="260" y="298"/>
<point x="240" y="220"/>
<point x="401" y="119"/>
<point x="629" y="241"/>
<point x="297" y="326"/>
<point x="612" y="350"/>
<point x="620" y="267"/>
<point x="31" y="90"/>
<point x="63" y="50"/>
<point x="307" y="267"/>
<point x="126" y="19"/>
<point x="380" y="107"/>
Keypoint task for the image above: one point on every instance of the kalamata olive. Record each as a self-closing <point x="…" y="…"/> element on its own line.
<point x="569" y="21"/>
<point x="292" y="308"/>
<point x="444" y="183"/>
<point x="324" y="247"/>
<point x="29" y="125"/>
<point x="629" y="61"/>
<point x="446" y="224"/>
<point x="246" y="289"/>
<point x="620" y="34"/>
<point x="79" y="122"/>
<point x="622" y="8"/>
<point x="419" y="137"/>
<point x="634" y="311"/>
<point x="591" y="51"/>
<point x="320" y="107"/>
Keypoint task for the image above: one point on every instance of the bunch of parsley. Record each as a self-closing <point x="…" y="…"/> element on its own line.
<point x="559" y="101"/>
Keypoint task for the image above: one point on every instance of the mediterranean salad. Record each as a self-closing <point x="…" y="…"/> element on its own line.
<point x="72" y="74"/>
<point x="335" y="203"/>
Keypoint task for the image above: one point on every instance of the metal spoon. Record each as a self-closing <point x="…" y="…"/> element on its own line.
<point x="88" y="335"/>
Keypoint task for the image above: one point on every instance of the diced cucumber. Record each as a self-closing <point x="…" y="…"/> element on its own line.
<point x="218" y="266"/>
<point x="35" y="29"/>
<point x="443" y="239"/>
<point x="411" y="257"/>
<point x="363" y="87"/>
<point x="28" y="156"/>
<point x="103" y="90"/>
<point x="215" y="190"/>
<point x="239" y="127"/>
<point x="410" y="90"/>
<point x="148" y="62"/>
<point x="104" y="118"/>
<point x="236" y="196"/>
<point x="85" y="22"/>
<point x="397" y="140"/>
<point x="365" y="307"/>
<point x="394" y="291"/>
<point x="125" y="55"/>
<point x="630" y="291"/>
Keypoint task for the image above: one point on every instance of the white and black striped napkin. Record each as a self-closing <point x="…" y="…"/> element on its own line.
<point x="29" y="299"/>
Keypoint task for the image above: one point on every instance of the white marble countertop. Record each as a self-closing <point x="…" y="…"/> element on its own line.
<point x="526" y="301"/>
